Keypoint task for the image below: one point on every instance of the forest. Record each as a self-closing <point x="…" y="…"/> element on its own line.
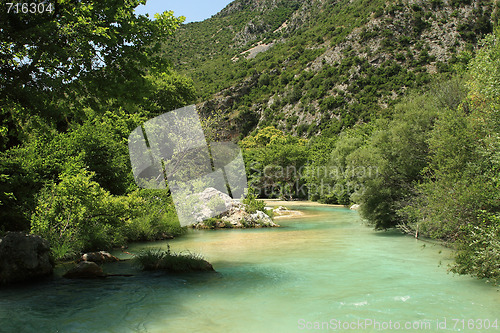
<point x="76" y="82"/>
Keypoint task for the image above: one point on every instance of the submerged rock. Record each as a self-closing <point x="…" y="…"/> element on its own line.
<point x="280" y="210"/>
<point x="85" y="270"/>
<point x="205" y="267"/>
<point x="200" y="266"/>
<point x="24" y="258"/>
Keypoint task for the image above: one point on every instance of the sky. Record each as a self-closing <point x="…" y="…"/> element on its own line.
<point x="193" y="10"/>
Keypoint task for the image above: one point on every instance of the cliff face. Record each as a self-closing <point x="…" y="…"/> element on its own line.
<point x="319" y="66"/>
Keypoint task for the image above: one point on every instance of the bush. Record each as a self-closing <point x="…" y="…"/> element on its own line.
<point x="157" y="259"/>
<point x="253" y="205"/>
<point x="479" y="249"/>
<point x="211" y="222"/>
<point x="77" y="214"/>
<point x="153" y="226"/>
<point x="157" y="218"/>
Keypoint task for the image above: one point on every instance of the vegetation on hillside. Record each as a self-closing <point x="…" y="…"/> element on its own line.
<point x="332" y="64"/>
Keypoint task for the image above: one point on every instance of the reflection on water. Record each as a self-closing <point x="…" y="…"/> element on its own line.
<point x="324" y="267"/>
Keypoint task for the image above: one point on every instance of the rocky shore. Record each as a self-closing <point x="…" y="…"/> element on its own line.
<point x="234" y="214"/>
<point x="27" y="258"/>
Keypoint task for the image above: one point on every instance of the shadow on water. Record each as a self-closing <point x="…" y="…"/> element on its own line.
<point x="121" y="304"/>
<point x="390" y="233"/>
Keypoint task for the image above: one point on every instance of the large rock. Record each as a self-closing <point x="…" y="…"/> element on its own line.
<point x="99" y="257"/>
<point x="204" y="207"/>
<point x="261" y="218"/>
<point x="85" y="270"/>
<point x="235" y="219"/>
<point x="199" y="266"/>
<point x="231" y="212"/>
<point x="24" y="258"/>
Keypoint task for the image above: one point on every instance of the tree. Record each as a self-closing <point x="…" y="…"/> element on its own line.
<point x="73" y="83"/>
<point x="328" y="176"/>
<point x="82" y="54"/>
<point x="390" y="164"/>
<point x="463" y="176"/>
<point x="275" y="163"/>
<point x="479" y="253"/>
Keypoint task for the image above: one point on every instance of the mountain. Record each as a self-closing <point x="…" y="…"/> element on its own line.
<point x="319" y="66"/>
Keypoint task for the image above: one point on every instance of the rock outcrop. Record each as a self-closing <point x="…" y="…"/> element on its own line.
<point x="241" y="219"/>
<point x="210" y="202"/>
<point x="24" y="258"/>
<point x="234" y="214"/>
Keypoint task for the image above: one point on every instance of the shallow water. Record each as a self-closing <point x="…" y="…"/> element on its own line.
<point x="308" y="275"/>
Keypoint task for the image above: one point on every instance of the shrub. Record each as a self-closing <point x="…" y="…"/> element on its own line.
<point x="479" y="249"/>
<point x="154" y="226"/>
<point x="157" y="217"/>
<point x="211" y="222"/>
<point x="253" y="205"/>
<point x="158" y="259"/>
<point x="77" y="214"/>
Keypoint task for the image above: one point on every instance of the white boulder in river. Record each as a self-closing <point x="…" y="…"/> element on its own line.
<point x="211" y="203"/>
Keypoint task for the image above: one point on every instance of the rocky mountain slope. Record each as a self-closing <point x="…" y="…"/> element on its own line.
<point x="318" y="66"/>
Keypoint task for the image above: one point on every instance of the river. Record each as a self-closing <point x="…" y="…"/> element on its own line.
<point x="322" y="272"/>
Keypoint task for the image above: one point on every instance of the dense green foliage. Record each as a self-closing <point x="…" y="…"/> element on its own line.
<point x="76" y="214"/>
<point x="93" y="55"/>
<point x="479" y="251"/>
<point x="274" y="162"/>
<point x="73" y="85"/>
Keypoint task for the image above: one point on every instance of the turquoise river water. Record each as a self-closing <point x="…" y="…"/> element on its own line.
<point x="322" y="272"/>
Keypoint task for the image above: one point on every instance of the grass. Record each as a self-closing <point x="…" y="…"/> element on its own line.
<point x="158" y="259"/>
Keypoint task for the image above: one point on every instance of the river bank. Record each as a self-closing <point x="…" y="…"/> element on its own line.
<point x="297" y="203"/>
<point x="292" y="208"/>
